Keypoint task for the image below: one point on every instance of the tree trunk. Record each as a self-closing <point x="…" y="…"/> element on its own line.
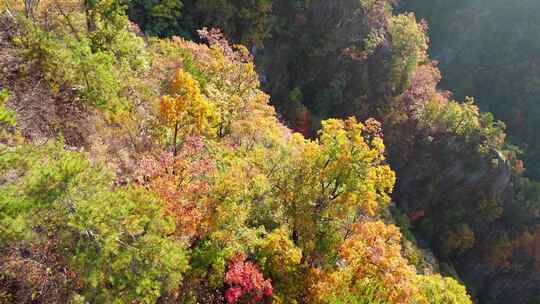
<point x="174" y="139"/>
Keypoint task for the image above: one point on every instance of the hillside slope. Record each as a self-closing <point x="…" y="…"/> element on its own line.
<point x="136" y="169"/>
<point x="489" y="49"/>
<point x="144" y="170"/>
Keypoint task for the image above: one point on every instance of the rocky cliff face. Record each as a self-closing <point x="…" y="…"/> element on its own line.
<point x="441" y="171"/>
<point x="444" y="185"/>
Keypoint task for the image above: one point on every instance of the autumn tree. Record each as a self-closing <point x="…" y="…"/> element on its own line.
<point x="347" y="178"/>
<point x="182" y="181"/>
<point x="185" y="111"/>
<point x="371" y="269"/>
<point x="435" y="289"/>
<point x="409" y="46"/>
<point x="246" y="283"/>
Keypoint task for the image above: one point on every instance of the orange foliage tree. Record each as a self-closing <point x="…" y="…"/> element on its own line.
<point x="182" y="181"/>
<point x="370" y="268"/>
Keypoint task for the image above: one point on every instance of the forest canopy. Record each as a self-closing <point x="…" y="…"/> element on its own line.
<point x="263" y="151"/>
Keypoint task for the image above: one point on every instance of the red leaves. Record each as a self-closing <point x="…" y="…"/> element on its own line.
<point x="247" y="284"/>
<point x="182" y="182"/>
<point x="233" y="294"/>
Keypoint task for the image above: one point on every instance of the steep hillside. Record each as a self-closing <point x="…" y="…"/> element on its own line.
<point x="489" y="49"/>
<point x="457" y="179"/>
<point x="136" y="169"/>
<point x="144" y="170"/>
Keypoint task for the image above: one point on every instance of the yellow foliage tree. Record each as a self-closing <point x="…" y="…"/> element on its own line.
<point x="325" y="185"/>
<point x="435" y="289"/>
<point x="185" y="110"/>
